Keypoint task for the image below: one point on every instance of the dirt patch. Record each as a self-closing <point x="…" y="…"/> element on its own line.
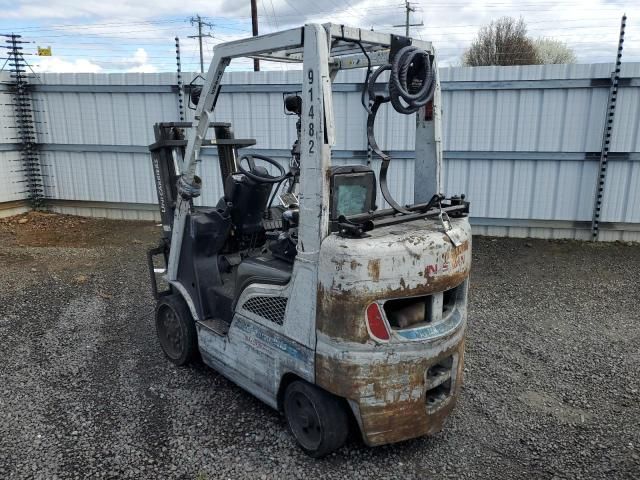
<point x="547" y="404"/>
<point x="40" y="229"/>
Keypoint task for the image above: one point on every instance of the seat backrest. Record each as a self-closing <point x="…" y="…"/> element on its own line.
<point x="247" y="201"/>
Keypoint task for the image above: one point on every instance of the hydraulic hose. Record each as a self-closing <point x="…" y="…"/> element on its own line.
<point x="411" y="85"/>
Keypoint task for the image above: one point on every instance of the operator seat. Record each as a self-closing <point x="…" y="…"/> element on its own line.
<point x="247" y="201"/>
<point x="262" y="269"/>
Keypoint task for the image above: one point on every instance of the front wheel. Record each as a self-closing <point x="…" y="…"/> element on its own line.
<point x="317" y="419"/>
<point x="176" y="330"/>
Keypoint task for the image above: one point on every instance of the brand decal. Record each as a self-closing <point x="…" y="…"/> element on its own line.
<point x="266" y="340"/>
<point x="161" y="200"/>
<point x="449" y="261"/>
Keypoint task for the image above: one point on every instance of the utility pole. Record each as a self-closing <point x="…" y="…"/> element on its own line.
<point x="198" y="19"/>
<point x="254" y="28"/>
<point x="409" y="9"/>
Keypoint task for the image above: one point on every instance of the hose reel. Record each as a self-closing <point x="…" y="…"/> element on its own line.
<point x="411" y="85"/>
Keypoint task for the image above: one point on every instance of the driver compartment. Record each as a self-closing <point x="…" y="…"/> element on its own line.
<point x="243" y="240"/>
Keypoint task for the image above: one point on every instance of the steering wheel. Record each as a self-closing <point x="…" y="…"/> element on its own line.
<point x="252" y="169"/>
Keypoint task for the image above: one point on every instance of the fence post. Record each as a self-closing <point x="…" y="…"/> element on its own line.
<point x="25" y="122"/>
<point x="180" y="84"/>
<point x="606" y="136"/>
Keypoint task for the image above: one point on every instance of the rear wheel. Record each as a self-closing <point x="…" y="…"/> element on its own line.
<point x="176" y="330"/>
<point x="317" y="419"/>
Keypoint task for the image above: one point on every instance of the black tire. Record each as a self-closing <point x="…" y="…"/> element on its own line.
<point x="176" y="330"/>
<point x="317" y="419"/>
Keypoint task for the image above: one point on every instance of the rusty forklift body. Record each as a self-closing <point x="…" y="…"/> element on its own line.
<point x="324" y="306"/>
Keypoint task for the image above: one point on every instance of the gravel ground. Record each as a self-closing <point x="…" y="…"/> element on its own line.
<point x="551" y="380"/>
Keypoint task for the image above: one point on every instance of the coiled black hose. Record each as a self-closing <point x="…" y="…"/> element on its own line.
<point x="412" y="84"/>
<point x="411" y="80"/>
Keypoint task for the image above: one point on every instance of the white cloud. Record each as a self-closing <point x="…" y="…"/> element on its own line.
<point x="140" y="63"/>
<point x="61" y="65"/>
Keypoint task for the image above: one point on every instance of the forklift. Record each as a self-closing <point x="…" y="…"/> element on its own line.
<point x="296" y="285"/>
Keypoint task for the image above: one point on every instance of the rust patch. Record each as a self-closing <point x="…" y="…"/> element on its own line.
<point x="355" y="264"/>
<point x="374" y="269"/>
<point x="340" y="313"/>
<point x="388" y="413"/>
<point x="457" y="254"/>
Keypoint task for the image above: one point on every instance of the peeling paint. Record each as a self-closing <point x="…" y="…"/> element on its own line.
<point x="374" y="269"/>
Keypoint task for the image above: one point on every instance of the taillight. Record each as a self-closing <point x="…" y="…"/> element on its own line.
<point x="377" y="327"/>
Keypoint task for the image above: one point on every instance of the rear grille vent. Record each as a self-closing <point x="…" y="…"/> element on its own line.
<point x="271" y="308"/>
<point x="415" y="312"/>
<point x="438" y="382"/>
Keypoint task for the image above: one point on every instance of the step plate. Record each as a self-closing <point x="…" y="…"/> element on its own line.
<point x="216" y="325"/>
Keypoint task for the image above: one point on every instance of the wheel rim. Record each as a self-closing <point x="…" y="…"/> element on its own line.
<point x="169" y="332"/>
<point x="304" y="420"/>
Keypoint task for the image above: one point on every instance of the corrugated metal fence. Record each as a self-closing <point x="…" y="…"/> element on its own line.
<point x="522" y="142"/>
<point x="11" y="178"/>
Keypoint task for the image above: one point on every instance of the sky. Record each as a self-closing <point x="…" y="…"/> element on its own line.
<point x="138" y="36"/>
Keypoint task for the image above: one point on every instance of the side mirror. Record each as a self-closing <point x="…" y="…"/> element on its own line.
<point x="194" y="91"/>
<point x="194" y="94"/>
<point x="293" y="104"/>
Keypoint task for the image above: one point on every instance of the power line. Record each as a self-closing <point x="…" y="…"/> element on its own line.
<point x="218" y="25"/>
<point x="116" y="24"/>
<point x="504" y="5"/>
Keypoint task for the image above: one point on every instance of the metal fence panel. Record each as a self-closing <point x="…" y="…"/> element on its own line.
<point x="11" y="178"/>
<point x="104" y="118"/>
<point x="102" y="177"/>
<point x="515" y="139"/>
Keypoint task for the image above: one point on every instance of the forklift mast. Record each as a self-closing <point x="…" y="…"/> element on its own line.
<point x="167" y="153"/>
<point x="323" y="50"/>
